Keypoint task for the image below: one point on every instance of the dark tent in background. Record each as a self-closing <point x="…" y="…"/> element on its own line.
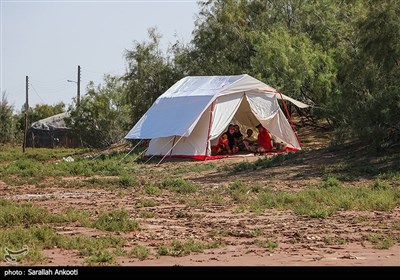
<point x="51" y="132"/>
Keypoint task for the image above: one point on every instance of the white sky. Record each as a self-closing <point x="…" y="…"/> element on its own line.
<point x="47" y="40"/>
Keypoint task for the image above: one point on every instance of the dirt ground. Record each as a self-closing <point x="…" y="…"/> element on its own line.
<point x="302" y="240"/>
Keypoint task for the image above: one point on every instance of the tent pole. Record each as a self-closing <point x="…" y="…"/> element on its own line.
<point x="161" y="148"/>
<point x="173" y="144"/>
<point x="169" y="150"/>
<point x="104" y="150"/>
<point x="140" y="155"/>
<point x="209" y="129"/>
<point x="131" y="150"/>
<point x="290" y="119"/>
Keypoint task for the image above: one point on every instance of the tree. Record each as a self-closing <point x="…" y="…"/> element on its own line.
<point x="149" y="74"/>
<point x="370" y="103"/>
<point x="7" y="125"/>
<point x="220" y="45"/>
<point x="103" y="116"/>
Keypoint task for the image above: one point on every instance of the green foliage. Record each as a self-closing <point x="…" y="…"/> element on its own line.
<point x="143" y="202"/>
<point x="265" y="162"/>
<point x="239" y="191"/>
<point x="152" y="189"/>
<point x="322" y="202"/>
<point x="103" y="115"/>
<point x="245" y="165"/>
<point x="330" y="182"/>
<point x="369" y="106"/>
<point x="267" y="244"/>
<point x="332" y="240"/>
<point x="82" y="216"/>
<point x="140" y="252"/>
<point x="195" y="168"/>
<point x="42" y="111"/>
<point x="380" y="185"/>
<point x="381" y="241"/>
<point x="117" y="220"/>
<point x="178" y="248"/>
<point x="148" y="75"/>
<point x="179" y="185"/>
<point x="102" y="257"/>
<point x="127" y="181"/>
<point x="36" y="238"/>
<point x="293" y="64"/>
<point x="7" y="125"/>
<point x="13" y="214"/>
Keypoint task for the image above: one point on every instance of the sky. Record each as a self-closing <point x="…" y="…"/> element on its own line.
<point x="47" y="40"/>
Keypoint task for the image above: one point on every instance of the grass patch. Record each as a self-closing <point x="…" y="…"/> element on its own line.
<point x="179" y="185"/>
<point x="100" y="257"/>
<point x="238" y="191"/>
<point x="127" y="181"/>
<point x="333" y="240"/>
<point x="330" y="182"/>
<point x="244" y="165"/>
<point x="83" y="217"/>
<point x="182" y="248"/>
<point x="265" y="162"/>
<point x="269" y="245"/>
<point x="322" y="202"/>
<point x="37" y="238"/>
<point x="140" y="252"/>
<point x="117" y="220"/>
<point x="152" y="189"/>
<point x="178" y="248"/>
<point x="148" y="214"/>
<point x="380" y="185"/>
<point x="195" y="168"/>
<point x="144" y="202"/>
<point x="21" y="213"/>
<point x="380" y="241"/>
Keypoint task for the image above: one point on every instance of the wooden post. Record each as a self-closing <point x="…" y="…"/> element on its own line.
<point x="26" y="114"/>
<point x="78" y="93"/>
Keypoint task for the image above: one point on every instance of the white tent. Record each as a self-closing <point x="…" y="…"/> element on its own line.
<point x="190" y="116"/>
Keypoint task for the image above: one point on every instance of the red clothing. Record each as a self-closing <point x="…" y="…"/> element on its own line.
<point x="223" y="142"/>
<point x="264" y="140"/>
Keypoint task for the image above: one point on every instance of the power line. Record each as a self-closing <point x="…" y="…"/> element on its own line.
<point x="36" y="92"/>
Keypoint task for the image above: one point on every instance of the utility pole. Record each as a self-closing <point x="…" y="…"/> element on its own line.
<point x="78" y="94"/>
<point x="26" y="114"/>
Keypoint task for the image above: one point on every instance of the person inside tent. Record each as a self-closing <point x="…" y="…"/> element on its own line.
<point x="222" y="148"/>
<point x="263" y="141"/>
<point x="231" y="138"/>
<point x="238" y="138"/>
<point x="250" y="139"/>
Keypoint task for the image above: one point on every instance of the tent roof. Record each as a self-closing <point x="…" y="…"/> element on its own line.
<point x="177" y="111"/>
<point x="221" y="85"/>
<point x="214" y="86"/>
<point x="53" y="122"/>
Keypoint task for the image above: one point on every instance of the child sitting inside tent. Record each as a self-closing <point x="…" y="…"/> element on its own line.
<point x="264" y="143"/>
<point x="222" y="147"/>
<point x="250" y="139"/>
